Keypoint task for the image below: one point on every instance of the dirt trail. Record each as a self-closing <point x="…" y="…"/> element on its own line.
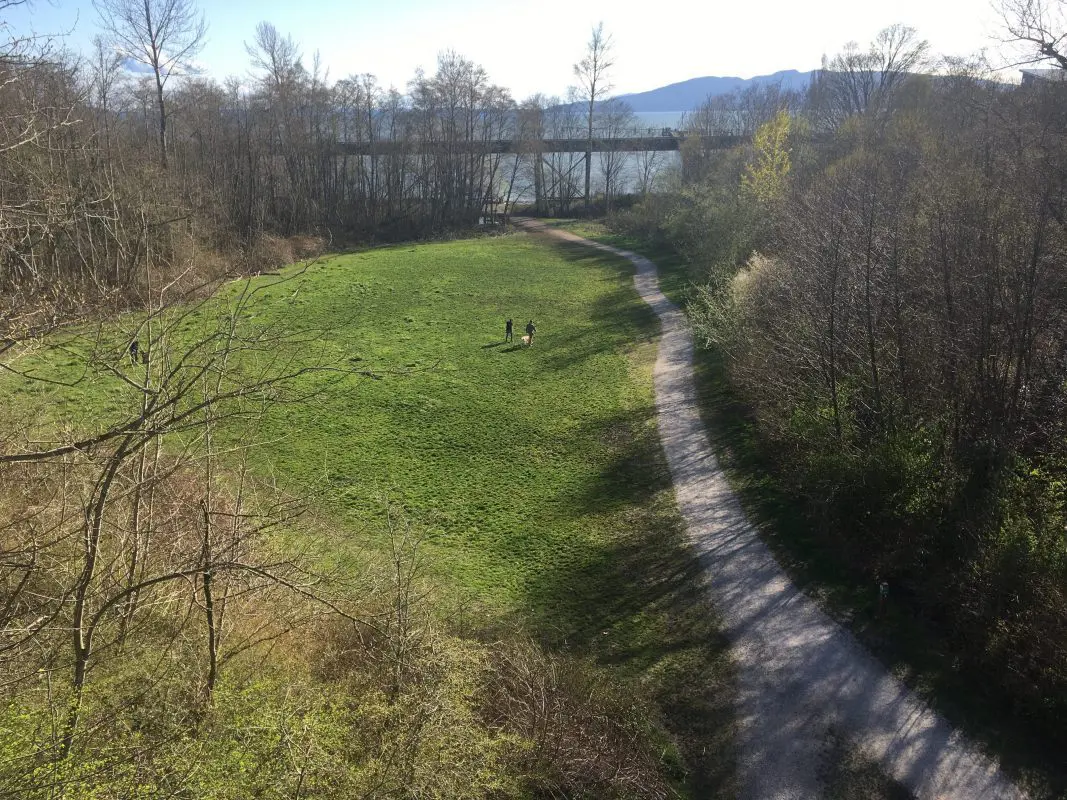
<point x="802" y="677"/>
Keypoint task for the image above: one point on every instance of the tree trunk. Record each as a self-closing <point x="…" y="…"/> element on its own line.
<point x="82" y="633"/>
<point x="589" y="150"/>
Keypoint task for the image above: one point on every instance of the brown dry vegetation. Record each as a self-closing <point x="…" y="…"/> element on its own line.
<point x="101" y="209"/>
<point x="232" y="668"/>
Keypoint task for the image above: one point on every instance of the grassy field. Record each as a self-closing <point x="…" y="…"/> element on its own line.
<point x="533" y="472"/>
<point x="533" y="475"/>
<point x="516" y="463"/>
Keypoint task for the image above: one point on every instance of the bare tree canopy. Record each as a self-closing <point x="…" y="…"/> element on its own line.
<point x="162" y="34"/>
<point x="1039" y="25"/>
<point x="593" y="85"/>
<point x="863" y="81"/>
<point x="278" y="56"/>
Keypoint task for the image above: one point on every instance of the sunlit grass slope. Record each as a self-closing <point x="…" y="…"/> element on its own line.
<point x="517" y="463"/>
<point x="533" y="474"/>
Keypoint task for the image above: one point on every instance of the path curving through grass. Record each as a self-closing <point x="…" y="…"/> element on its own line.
<point x="804" y="681"/>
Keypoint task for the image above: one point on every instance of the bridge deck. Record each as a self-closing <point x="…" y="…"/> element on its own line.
<point x="622" y="144"/>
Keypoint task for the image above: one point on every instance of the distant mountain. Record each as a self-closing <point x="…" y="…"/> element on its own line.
<point x="687" y="95"/>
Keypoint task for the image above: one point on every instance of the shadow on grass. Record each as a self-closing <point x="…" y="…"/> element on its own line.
<point x="494" y="344"/>
<point x="614" y="315"/>
<point x="638" y="603"/>
<point x="635" y="599"/>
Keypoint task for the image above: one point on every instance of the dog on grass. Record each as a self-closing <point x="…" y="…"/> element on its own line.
<point x="526" y="340"/>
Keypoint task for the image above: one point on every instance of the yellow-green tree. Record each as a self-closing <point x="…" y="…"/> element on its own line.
<point x="765" y="174"/>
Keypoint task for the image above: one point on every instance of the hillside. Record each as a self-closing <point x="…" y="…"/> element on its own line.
<point x="687" y="95"/>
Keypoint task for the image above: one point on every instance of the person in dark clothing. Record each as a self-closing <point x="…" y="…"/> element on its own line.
<point x="134" y="347"/>
<point x="508" y="331"/>
<point x="530" y="328"/>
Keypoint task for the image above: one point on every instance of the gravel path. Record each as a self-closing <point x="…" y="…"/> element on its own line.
<point x="801" y="675"/>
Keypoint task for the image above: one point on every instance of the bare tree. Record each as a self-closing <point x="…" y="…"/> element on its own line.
<point x="858" y="81"/>
<point x="6" y="4"/>
<point x="618" y="119"/>
<point x="1040" y="25"/>
<point x="104" y="75"/>
<point x="593" y="86"/>
<point x="124" y="546"/>
<point x="162" y="34"/>
<point x="563" y="184"/>
<point x="277" y="56"/>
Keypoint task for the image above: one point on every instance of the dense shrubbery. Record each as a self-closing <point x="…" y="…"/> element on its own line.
<point x="895" y="316"/>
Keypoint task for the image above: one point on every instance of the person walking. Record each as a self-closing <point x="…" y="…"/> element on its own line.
<point x="530" y="328"/>
<point x="509" y="335"/>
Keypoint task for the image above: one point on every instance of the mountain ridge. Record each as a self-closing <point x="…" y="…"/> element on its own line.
<point x="688" y="94"/>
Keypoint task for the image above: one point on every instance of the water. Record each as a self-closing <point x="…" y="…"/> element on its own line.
<point x="637" y="170"/>
<point x="634" y="165"/>
<point x="659" y="119"/>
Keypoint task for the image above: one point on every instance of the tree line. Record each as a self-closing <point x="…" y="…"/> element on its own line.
<point x="111" y="172"/>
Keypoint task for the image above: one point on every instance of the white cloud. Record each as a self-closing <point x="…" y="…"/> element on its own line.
<point x="135" y="66"/>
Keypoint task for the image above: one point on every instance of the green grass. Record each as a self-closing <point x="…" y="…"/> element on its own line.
<point x="534" y="474"/>
<point x="911" y="651"/>
<point x="674" y="276"/>
<point x="514" y="462"/>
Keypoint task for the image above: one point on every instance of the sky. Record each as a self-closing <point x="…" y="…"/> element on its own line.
<point x="530" y="46"/>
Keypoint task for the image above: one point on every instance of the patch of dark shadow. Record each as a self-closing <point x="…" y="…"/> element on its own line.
<point x="494" y="344"/>
<point x="616" y="435"/>
<point x="636" y="471"/>
<point x="848" y="774"/>
<point x="639" y="603"/>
